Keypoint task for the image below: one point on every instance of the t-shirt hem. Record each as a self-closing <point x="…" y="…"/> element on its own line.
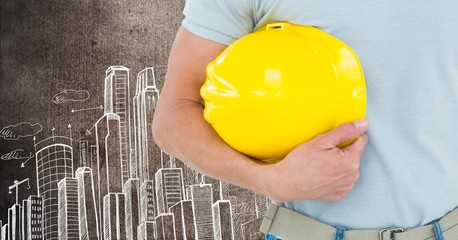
<point x="208" y="34"/>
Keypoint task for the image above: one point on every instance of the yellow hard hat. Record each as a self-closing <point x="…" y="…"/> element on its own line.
<point x="281" y="86"/>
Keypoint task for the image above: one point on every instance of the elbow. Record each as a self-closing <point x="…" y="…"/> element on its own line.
<point x="159" y="125"/>
<point x="159" y="132"/>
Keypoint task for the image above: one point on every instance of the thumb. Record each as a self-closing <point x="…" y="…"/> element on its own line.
<point x="345" y="132"/>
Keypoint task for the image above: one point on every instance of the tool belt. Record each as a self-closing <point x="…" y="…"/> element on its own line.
<point x="290" y="225"/>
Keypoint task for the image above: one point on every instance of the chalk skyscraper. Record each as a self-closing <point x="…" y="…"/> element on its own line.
<point x="68" y="209"/>
<point x="222" y="221"/>
<point x="117" y="101"/>
<point x="202" y="203"/>
<point x="107" y="131"/>
<point x="34" y="218"/>
<point x="89" y="222"/>
<point x="131" y="193"/>
<point x="114" y="224"/>
<point x="169" y="188"/>
<point x="144" y="103"/>
<point x="54" y="163"/>
<point x="15" y="222"/>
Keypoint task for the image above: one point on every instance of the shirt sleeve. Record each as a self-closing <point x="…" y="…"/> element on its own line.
<point x="222" y="21"/>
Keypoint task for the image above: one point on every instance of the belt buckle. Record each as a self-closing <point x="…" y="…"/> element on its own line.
<point x="392" y="231"/>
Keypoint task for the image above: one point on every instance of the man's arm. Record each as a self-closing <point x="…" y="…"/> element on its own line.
<point x="314" y="170"/>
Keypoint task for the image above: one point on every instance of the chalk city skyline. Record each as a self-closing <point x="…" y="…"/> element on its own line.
<point x="125" y="186"/>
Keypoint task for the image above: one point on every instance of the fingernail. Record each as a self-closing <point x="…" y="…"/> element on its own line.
<point x="360" y="123"/>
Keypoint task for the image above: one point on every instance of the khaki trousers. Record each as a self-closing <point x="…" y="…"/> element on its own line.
<point x="290" y="225"/>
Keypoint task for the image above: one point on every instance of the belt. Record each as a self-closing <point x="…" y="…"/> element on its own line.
<point x="291" y="225"/>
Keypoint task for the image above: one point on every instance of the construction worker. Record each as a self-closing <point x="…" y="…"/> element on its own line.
<point x="400" y="184"/>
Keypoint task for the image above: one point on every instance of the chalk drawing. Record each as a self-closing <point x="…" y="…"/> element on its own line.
<point x="70" y="95"/>
<point x="17" y="154"/>
<point x="87" y="109"/>
<point x="20" y="130"/>
<point x="126" y="187"/>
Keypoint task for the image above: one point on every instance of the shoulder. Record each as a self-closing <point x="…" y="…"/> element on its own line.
<point x="224" y="21"/>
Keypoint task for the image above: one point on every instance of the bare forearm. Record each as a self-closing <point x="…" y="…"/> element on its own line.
<point x="179" y="126"/>
<point x="184" y="133"/>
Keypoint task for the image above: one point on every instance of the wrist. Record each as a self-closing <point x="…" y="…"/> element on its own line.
<point x="263" y="178"/>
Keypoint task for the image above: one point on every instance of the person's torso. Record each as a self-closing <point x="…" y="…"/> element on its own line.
<point x="409" y="53"/>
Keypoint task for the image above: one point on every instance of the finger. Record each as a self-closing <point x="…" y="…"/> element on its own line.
<point x="356" y="149"/>
<point x="344" y="132"/>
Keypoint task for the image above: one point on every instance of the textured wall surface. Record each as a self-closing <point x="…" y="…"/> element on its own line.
<point x="67" y="110"/>
<point x="49" y="46"/>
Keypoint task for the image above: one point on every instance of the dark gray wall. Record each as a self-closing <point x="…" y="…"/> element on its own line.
<point x="48" y="46"/>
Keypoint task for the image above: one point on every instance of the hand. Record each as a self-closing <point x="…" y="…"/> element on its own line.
<point x="318" y="169"/>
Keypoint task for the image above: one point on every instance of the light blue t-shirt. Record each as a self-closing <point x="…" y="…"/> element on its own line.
<point x="409" y="53"/>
